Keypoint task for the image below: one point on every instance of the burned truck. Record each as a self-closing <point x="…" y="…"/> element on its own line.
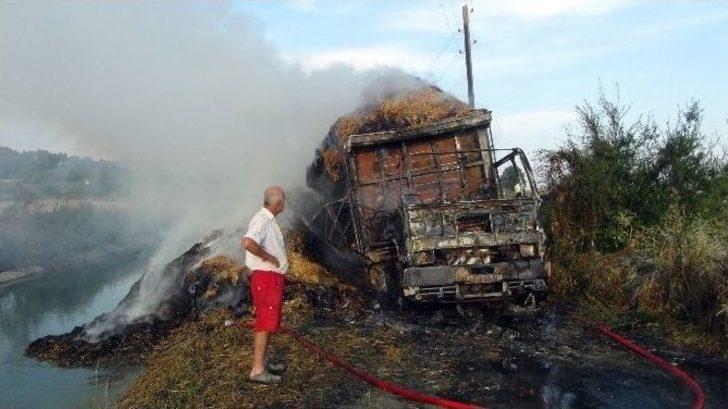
<point x="434" y="212"/>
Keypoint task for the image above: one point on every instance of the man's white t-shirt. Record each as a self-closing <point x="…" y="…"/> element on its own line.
<point x="264" y="230"/>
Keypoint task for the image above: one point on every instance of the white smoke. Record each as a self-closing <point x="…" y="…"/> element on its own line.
<point x="188" y="95"/>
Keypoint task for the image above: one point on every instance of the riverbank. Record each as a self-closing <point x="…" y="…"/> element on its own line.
<point x="11" y="277"/>
<point x="52" y="303"/>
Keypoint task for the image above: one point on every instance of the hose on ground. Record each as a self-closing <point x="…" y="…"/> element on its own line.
<point x="689" y="381"/>
<point x="392" y="388"/>
<point x="415" y="396"/>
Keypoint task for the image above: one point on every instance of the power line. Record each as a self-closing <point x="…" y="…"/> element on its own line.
<point x="451" y="37"/>
<point x="444" y="15"/>
<point x="447" y="66"/>
<point x="443" y="49"/>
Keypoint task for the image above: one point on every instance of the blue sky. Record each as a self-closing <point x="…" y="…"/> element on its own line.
<point x="533" y="60"/>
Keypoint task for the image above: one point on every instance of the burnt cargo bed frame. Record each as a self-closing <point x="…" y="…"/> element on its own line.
<point x="428" y="213"/>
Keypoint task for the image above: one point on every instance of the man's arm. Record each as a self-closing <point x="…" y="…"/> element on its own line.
<point x="255" y="248"/>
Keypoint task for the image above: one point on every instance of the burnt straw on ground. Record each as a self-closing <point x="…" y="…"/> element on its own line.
<point x="202" y="282"/>
<point x="530" y="358"/>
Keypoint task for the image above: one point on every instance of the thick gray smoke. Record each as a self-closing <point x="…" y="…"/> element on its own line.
<point x="189" y="96"/>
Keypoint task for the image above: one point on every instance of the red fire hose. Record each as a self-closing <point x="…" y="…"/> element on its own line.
<point x="688" y="380"/>
<point x="371" y="379"/>
<point x="415" y="396"/>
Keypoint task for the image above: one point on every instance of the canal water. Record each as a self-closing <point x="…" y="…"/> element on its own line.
<point x="54" y="303"/>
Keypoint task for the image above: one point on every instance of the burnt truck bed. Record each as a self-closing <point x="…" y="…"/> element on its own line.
<point x="436" y="213"/>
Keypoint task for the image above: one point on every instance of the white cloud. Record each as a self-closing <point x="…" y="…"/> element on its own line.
<point x="445" y="17"/>
<point x="570" y="48"/>
<point x="363" y="58"/>
<point x="531" y="130"/>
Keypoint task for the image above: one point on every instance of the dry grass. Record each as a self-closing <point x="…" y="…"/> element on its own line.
<point x="691" y="278"/>
<point x="674" y="279"/>
<point x="332" y="162"/>
<point x="223" y="269"/>
<point x="420" y="107"/>
<point x="203" y="364"/>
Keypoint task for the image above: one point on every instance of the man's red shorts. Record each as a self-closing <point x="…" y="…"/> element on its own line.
<point x="267" y="290"/>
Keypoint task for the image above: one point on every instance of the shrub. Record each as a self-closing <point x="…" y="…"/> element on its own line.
<point x="611" y="177"/>
<point x="637" y="217"/>
<point x="691" y="282"/>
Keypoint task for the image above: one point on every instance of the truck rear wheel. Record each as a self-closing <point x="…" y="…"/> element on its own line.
<point x="387" y="287"/>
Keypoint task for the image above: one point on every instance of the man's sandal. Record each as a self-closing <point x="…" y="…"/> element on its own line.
<point x="265" y="378"/>
<point x="275" y="368"/>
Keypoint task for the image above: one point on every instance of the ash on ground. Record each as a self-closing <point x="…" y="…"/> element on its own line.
<point x="507" y="357"/>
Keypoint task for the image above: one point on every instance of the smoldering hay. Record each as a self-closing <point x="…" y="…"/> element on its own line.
<point x="201" y="280"/>
<point x="190" y="97"/>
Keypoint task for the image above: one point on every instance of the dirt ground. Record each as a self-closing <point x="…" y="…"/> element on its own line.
<point x="516" y="358"/>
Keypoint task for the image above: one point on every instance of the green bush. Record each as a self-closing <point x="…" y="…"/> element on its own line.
<point x="612" y="177"/>
<point x="636" y="215"/>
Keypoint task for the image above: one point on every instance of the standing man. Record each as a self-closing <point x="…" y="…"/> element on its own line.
<point x="265" y="256"/>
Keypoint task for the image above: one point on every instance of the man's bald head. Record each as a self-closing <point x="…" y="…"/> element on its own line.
<point x="274" y="199"/>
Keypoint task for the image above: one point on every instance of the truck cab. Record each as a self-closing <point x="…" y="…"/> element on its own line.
<point x="437" y="214"/>
<point x="475" y="250"/>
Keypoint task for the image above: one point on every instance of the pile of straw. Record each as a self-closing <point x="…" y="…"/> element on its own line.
<point x="332" y="162"/>
<point x="302" y="269"/>
<point x="220" y="272"/>
<point x="420" y="107"/>
<point x="223" y="269"/>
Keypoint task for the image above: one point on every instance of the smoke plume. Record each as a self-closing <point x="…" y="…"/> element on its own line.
<point x="189" y="96"/>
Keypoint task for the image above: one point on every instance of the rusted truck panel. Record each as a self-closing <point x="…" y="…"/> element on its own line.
<point x="438" y="214"/>
<point x="439" y="163"/>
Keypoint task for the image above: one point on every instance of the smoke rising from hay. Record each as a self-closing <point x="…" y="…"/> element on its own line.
<point x="189" y="96"/>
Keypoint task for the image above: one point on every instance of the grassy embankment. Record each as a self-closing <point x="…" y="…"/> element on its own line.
<point x="204" y="364"/>
<point x="638" y="221"/>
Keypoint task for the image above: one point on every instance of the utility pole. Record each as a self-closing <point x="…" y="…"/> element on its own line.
<point x="485" y="137"/>
<point x="468" y="62"/>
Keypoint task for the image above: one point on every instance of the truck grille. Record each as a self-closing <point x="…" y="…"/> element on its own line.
<point x="474" y="223"/>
